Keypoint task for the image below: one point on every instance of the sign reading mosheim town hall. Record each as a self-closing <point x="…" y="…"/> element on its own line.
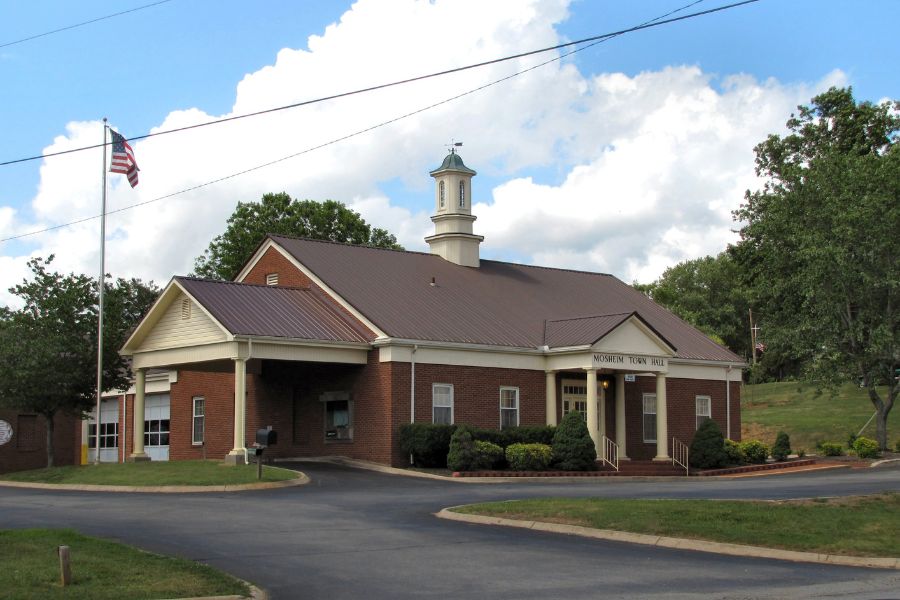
<point x="632" y="362"/>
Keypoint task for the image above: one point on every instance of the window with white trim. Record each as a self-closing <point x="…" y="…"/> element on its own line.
<point x="649" y="409"/>
<point x="509" y="407"/>
<point x="574" y="397"/>
<point x="462" y="194"/>
<point x="199" y="421"/>
<point x="441" y="192"/>
<point x="442" y="403"/>
<point x="704" y="409"/>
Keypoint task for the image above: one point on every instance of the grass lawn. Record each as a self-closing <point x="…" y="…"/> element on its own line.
<point x="859" y="526"/>
<point x="100" y="570"/>
<point x="806" y="417"/>
<point x="182" y="472"/>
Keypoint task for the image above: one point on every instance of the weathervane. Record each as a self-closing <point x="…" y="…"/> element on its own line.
<point x="453" y="145"/>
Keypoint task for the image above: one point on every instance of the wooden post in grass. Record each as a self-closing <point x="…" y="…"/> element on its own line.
<point x="65" y="570"/>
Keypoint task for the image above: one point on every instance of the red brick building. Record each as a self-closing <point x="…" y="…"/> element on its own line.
<point x="23" y="441"/>
<point x="335" y="346"/>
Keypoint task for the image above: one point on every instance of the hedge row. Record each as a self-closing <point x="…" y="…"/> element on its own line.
<point x="429" y="444"/>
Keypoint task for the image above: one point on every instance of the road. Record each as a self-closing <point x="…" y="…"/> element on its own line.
<point x="358" y="534"/>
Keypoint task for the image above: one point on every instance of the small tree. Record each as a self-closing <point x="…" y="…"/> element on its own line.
<point x="782" y="447"/>
<point x="462" y="455"/>
<point x="708" y="446"/>
<point x="573" y="448"/>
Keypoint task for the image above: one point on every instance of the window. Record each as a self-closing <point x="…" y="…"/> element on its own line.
<point x="441" y="192"/>
<point x="650" y="418"/>
<point x="185" y="309"/>
<point x="442" y="403"/>
<point x="156" y="432"/>
<point x="509" y="407"/>
<point x="574" y="397"/>
<point x="338" y="415"/>
<point x="462" y="194"/>
<point x="109" y="435"/>
<point x="272" y="279"/>
<point x="704" y="409"/>
<point x="26" y="432"/>
<point x="199" y="420"/>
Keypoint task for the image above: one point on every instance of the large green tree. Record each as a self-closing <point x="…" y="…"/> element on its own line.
<point x="281" y="214"/>
<point x="709" y="294"/>
<point x="821" y="241"/>
<point x="48" y="348"/>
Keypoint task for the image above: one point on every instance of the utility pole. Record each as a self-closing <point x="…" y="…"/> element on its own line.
<point x="753" y="330"/>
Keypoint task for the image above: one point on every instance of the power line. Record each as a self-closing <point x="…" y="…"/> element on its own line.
<point x="342" y="138"/>
<point x="83" y="23"/>
<point x="596" y="38"/>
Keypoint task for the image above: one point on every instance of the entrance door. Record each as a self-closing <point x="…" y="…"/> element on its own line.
<point x="109" y="432"/>
<point x="156" y="426"/>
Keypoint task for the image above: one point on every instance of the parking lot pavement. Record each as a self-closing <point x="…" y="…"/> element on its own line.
<point x="357" y="534"/>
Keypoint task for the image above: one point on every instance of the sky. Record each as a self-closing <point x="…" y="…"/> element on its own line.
<point x="627" y="157"/>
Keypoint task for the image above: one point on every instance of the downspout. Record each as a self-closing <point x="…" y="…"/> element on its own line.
<point x="412" y="389"/>
<point x="728" y="402"/>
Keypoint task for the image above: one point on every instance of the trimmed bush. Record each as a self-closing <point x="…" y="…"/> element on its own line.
<point x="782" y="447"/>
<point x="462" y="454"/>
<point x="529" y="457"/>
<point x="865" y="447"/>
<point x="488" y="456"/>
<point x="573" y="448"/>
<point x="832" y="449"/>
<point x="708" y="447"/>
<point x="733" y="453"/>
<point x="537" y="434"/>
<point x="755" y="452"/>
<point x="428" y="443"/>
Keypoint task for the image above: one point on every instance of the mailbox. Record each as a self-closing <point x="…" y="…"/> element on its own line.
<point x="266" y="437"/>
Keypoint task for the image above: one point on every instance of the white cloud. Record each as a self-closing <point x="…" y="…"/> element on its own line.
<point x="654" y="163"/>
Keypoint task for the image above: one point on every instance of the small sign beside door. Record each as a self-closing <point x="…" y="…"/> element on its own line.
<point x="629" y="378"/>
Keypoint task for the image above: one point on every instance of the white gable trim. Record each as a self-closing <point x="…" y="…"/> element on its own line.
<point x="269" y="243"/>
<point x="156" y="312"/>
<point x="662" y="347"/>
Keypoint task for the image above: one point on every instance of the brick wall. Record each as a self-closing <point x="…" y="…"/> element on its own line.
<point x="273" y="261"/>
<point x="27" y="449"/>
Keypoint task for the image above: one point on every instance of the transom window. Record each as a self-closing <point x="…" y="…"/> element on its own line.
<point x="509" y="407"/>
<point x="704" y="409"/>
<point x="442" y="403"/>
<point x="650" y="418"/>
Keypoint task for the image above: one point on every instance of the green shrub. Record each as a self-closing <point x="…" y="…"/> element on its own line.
<point x="733" y="453"/>
<point x="462" y="454"/>
<point x="708" y="446"/>
<point x="427" y="442"/>
<point x="832" y="449"/>
<point x="865" y="447"/>
<point x="801" y="452"/>
<point x="532" y="434"/>
<point x="573" y="448"/>
<point x="782" y="447"/>
<point x="529" y="457"/>
<point x="755" y="452"/>
<point x="488" y="456"/>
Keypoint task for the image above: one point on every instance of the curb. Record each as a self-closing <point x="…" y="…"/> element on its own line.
<point x="677" y="543"/>
<point x="302" y="479"/>
<point x="255" y="594"/>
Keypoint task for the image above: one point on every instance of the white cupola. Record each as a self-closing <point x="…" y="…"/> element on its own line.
<point x="453" y="239"/>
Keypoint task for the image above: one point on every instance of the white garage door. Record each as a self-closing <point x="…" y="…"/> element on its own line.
<point x="109" y="432"/>
<point x="156" y="426"/>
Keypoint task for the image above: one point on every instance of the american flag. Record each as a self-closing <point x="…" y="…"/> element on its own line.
<point x="123" y="159"/>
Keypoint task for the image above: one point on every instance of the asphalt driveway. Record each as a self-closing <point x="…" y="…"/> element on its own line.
<point x="358" y="534"/>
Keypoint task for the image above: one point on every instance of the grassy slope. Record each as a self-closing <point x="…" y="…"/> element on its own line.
<point x="100" y="570"/>
<point x="186" y="472"/>
<point x="807" y="417"/>
<point x="862" y="526"/>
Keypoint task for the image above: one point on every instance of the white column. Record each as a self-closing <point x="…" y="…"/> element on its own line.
<point x="620" y="415"/>
<point x="592" y="407"/>
<point x="236" y="456"/>
<point x="551" y="397"/>
<point x="137" y="450"/>
<point x="662" y="419"/>
<point x="602" y="450"/>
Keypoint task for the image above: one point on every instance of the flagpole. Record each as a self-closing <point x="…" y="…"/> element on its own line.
<point x="101" y="284"/>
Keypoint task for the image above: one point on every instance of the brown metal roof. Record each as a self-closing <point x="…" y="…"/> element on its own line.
<point x="270" y="311"/>
<point x="499" y="303"/>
